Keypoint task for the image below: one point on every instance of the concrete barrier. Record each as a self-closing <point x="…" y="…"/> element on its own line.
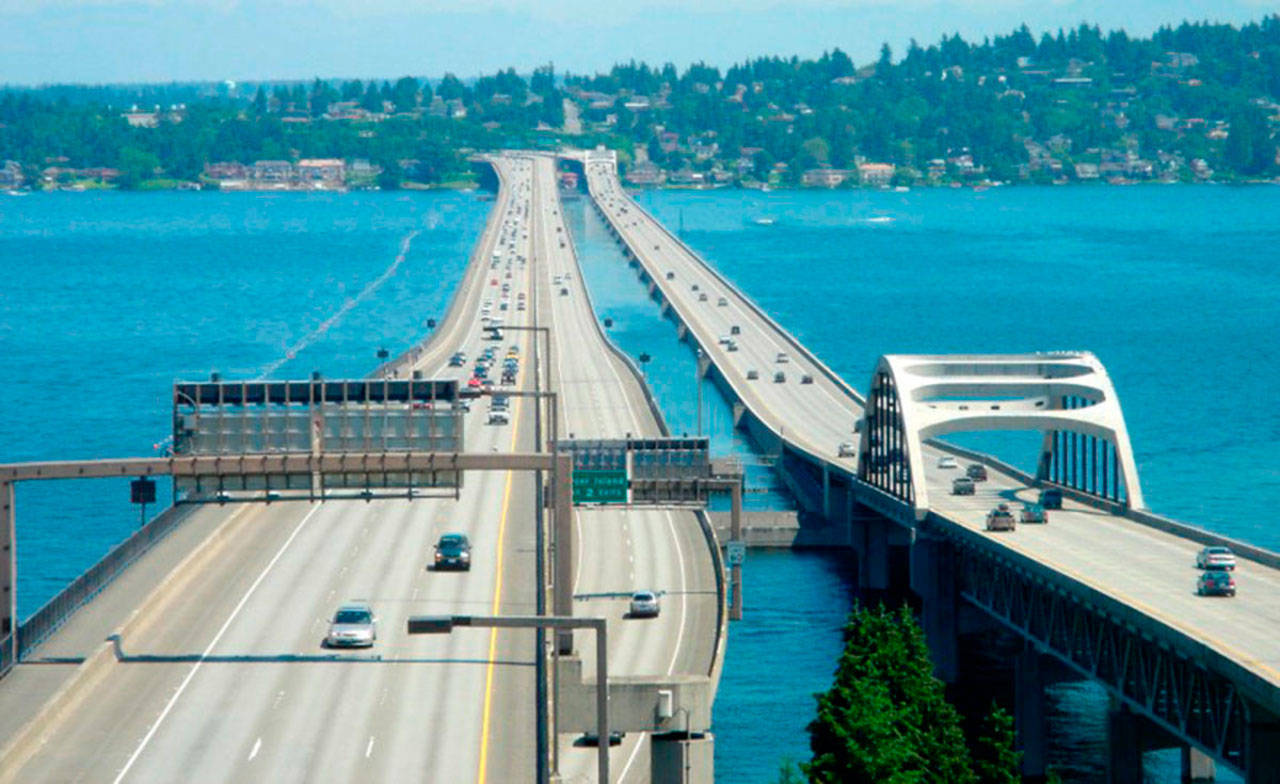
<point x="90" y="673"/>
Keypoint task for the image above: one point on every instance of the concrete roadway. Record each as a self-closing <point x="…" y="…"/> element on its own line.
<point x="226" y="680"/>
<point x="620" y="551"/>
<point x="1147" y="569"/>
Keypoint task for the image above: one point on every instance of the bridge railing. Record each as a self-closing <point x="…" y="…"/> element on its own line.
<point x="704" y="520"/>
<point x="93" y="580"/>
<point x="1142" y="516"/>
<point x="759" y="312"/>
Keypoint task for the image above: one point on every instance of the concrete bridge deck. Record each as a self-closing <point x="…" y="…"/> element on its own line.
<point x="1139" y="566"/>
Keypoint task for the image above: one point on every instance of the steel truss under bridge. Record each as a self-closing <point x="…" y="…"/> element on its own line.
<point x="1197" y="696"/>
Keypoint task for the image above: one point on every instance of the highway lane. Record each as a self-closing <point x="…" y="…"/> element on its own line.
<point x="619" y="551"/>
<point x="222" y="684"/>
<point x="1147" y="569"/>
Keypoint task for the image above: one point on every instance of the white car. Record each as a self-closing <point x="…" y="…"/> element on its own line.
<point x="354" y="625"/>
<point x="499" y="418"/>
<point x="644" y="604"/>
<point x="846" y="449"/>
<point x="947" y="461"/>
<point x="1216" y="557"/>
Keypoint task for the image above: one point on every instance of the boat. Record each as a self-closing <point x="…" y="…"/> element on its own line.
<point x="17" y="192"/>
<point x="901" y="189"/>
<point x="765" y="221"/>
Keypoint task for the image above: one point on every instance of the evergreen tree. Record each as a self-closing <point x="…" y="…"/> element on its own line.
<point x="994" y="759"/>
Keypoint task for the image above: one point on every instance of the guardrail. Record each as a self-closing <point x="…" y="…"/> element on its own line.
<point x="475" y="268"/>
<point x="93" y="580"/>
<point x="760" y="313"/>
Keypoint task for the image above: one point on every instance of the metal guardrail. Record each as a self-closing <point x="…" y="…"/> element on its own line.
<point x="93" y="580"/>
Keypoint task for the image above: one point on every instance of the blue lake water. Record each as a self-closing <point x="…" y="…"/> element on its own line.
<point x="110" y="297"/>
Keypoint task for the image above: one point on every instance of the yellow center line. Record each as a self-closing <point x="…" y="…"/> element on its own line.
<point x="497" y="601"/>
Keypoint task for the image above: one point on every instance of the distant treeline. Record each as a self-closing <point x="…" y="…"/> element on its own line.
<point x="1192" y="98"/>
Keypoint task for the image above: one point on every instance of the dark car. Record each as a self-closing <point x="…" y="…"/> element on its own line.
<point x="1051" y="498"/>
<point x="453" y="551"/>
<point x="977" y="472"/>
<point x="1216" y="583"/>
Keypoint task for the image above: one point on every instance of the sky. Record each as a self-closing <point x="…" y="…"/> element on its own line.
<point x="125" y="41"/>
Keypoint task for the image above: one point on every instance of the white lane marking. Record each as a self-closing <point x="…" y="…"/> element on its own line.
<point x="216" y="639"/>
<point x="684" y="593"/>
<point x="368" y="750"/>
<point x="257" y="744"/>
<point x="279" y="699"/>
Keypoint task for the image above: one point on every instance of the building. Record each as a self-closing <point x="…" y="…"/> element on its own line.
<point x="275" y="172"/>
<point x="226" y="170"/>
<point x="876" y="174"/>
<point x="824" y="177"/>
<point x="321" y="171"/>
<point x="11" y="175"/>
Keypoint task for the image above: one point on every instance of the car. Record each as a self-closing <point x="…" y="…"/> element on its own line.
<point x="499" y="417"/>
<point x="564" y="292"/>
<point x="806" y="379"/>
<point x="752" y="375"/>
<point x="722" y="302"/>
<point x="702" y="297"/>
<point x="846" y="449"/>
<point x="779" y="377"/>
<point x="732" y="345"/>
<point x="947" y="461"/>
<point x="520" y="305"/>
<point x="592" y="740"/>
<point x="644" y="604"/>
<point x="1033" y="513"/>
<point x="1000" y="519"/>
<point x="963" y="485"/>
<point x="353" y="626"/>
<point x="453" y="551"/>
<point x="1051" y="498"/>
<point x="695" y="287"/>
<point x="671" y="275"/>
<point x="1216" y="557"/>
<point x="977" y="472"/>
<point x="1216" y="583"/>
<point x="782" y="358"/>
<point x="735" y="330"/>
<point x="724" y="340"/>
<point x="456" y="360"/>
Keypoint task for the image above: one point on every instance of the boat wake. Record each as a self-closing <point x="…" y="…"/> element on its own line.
<point x="347" y="306"/>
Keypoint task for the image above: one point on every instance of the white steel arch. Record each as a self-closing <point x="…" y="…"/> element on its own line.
<point x="1066" y="395"/>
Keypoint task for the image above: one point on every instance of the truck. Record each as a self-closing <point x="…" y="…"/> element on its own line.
<point x="1001" y="519"/>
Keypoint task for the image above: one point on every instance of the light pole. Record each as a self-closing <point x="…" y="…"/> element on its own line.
<point x="644" y="359"/>
<point x="443" y="624"/>
<point x="697" y="380"/>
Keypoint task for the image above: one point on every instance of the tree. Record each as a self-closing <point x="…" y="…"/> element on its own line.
<point x="994" y="758"/>
<point x="136" y="166"/>
<point x="405" y="94"/>
<point x="885" y="717"/>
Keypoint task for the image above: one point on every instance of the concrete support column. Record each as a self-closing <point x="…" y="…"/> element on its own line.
<point x="873" y="571"/>
<point x="826" y="492"/>
<point x="1124" y="746"/>
<point x="562" y="595"/>
<point x="735" y="535"/>
<point x="1028" y="714"/>
<point x="1196" y="766"/>
<point x="680" y="758"/>
<point x="1263" y="742"/>
<point x="933" y="580"/>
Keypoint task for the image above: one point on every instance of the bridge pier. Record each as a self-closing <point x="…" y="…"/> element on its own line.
<point x="1263" y="743"/>
<point x="1124" y="746"/>
<point x="1196" y="766"/>
<point x="1028" y="713"/>
<point x="933" y="580"/>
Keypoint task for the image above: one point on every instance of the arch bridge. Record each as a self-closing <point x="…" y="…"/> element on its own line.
<point x="1067" y="396"/>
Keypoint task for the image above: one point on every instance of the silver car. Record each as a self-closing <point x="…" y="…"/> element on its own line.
<point x="1216" y="557"/>
<point x="353" y="626"/>
<point x="644" y="604"/>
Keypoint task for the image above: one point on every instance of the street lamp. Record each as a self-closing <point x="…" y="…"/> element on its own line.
<point x="443" y="624"/>
<point x="644" y="360"/>
<point x="697" y="380"/>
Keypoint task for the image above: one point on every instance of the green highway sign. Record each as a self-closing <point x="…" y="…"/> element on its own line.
<point x="599" y="487"/>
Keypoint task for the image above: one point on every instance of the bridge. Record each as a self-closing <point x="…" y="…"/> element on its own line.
<point x="192" y="652"/>
<point x="1106" y="591"/>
